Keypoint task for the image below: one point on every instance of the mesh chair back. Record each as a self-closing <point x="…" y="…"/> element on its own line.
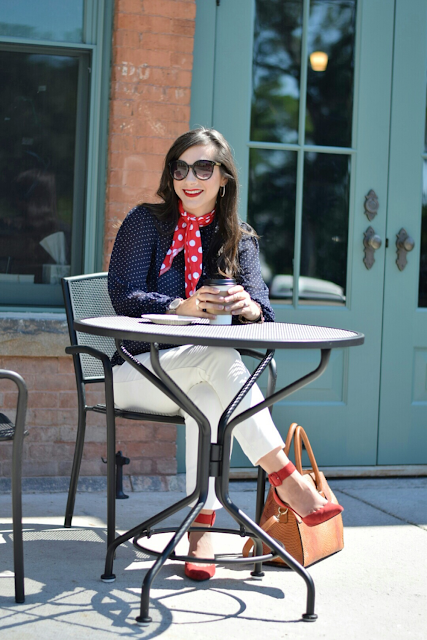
<point x="87" y="297"/>
<point x="7" y="428"/>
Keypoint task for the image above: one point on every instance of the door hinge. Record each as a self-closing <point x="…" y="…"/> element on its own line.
<point x="218" y="2"/>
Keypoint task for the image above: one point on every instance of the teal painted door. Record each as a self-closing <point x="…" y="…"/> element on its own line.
<point x="403" y="399"/>
<point x="311" y="142"/>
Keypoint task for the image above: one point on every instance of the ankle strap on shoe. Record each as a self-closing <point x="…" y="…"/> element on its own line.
<point x="206" y="518"/>
<point x="276" y="478"/>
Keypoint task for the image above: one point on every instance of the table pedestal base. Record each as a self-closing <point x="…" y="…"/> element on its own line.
<point x="214" y="461"/>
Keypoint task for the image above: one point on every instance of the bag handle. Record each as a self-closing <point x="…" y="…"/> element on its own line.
<point x="289" y="438"/>
<point x="301" y="436"/>
<point x="249" y="544"/>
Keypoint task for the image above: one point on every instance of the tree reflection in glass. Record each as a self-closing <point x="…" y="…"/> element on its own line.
<point x="331" y="30"/>
<point x="38" y="103"/>
<point x="42" y="20"/>
<point x="271" y="209"/>
<point x="325" y="225"/>
<point x="276" y="70"/>
<point x="276" y="108"/>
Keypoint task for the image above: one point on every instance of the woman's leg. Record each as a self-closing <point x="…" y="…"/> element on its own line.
<point x="204" y="396"/>
<point x="223" y="370"/>
<point x="212" y="377"/>
<point x="225" y="374"/>
<point x="133" y="391"/>
<point x="294" y="490"/>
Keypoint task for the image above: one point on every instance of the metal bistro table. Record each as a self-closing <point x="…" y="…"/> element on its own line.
<point x="214" y="459"/>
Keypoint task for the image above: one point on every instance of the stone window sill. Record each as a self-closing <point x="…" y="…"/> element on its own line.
<point x="33" y="334"/>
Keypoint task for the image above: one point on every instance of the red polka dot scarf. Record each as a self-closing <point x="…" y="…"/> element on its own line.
<point x="187" y="237"/>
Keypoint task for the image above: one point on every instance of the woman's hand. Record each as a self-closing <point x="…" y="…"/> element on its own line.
<point x="238" y="302"/>
<point x="205" y="303"/>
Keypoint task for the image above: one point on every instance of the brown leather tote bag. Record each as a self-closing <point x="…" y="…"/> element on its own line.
<point x="306" y="544"/>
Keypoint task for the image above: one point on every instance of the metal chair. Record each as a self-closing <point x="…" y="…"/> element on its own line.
<point x="16" y="432"/>
<point x="87" y="297"/>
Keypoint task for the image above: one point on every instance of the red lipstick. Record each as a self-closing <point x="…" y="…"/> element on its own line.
<point x="192" y="194"/>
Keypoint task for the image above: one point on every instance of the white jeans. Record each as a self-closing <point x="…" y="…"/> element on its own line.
<point x="210" y="377"/>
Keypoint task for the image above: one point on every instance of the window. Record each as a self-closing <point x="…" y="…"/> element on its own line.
<point x="43" y="123"/>
<point x="42" y="20"/>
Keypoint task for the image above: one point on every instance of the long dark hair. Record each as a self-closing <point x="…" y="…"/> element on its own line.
<point x="229" y="230"/>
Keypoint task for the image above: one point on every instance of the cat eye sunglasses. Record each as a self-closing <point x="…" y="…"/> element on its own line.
<point x="202" y="169"/>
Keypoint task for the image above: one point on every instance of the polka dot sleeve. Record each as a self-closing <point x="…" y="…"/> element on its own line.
<point x="250" y="275"/>
<point x="133" y="280"/>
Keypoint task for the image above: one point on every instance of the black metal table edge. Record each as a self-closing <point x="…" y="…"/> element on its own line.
<point x="206" y="341"/>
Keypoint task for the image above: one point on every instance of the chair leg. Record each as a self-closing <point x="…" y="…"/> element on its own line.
<point x="75" y="471"/>
<point x="18" y="440"/>
<point x="111" y="473"/>
<point x="18" y="547"/>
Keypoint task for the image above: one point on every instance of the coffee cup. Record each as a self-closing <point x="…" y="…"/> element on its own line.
<point x="223" y="284"/>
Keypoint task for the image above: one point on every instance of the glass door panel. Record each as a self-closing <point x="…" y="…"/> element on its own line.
<point x="271" y="209"/>
<point x="302" y="102"/>
<point x="330" y="76"/>
<point x="39" y="188"/>
<point x="276" y="70"/>
<point x="324" y="237"/>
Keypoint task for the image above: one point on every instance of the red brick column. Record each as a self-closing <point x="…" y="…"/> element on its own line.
<point x="150" y="99"/>
<point x="150" y="106"/>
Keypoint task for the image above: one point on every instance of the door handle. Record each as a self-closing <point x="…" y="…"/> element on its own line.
<point x="371" y="241"/>
<point x="404" y="244"/>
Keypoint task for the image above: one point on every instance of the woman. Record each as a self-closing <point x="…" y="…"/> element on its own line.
<point x="162" y="256"/>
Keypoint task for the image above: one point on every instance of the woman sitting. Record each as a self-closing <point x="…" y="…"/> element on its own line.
<point x="163" y="255"/>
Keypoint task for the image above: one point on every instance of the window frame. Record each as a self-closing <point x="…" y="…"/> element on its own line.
<point x="97" y="45"/>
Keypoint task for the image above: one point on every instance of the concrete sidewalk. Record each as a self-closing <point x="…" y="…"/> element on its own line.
<point x="376" y="588"/>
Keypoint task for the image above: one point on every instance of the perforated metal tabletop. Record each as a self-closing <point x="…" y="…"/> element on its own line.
<point x="272" y="335"/>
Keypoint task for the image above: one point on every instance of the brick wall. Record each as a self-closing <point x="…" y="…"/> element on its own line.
<point x="150" y="99"/>
<point x="149" y="108"/>
<point x="52" y="419"/>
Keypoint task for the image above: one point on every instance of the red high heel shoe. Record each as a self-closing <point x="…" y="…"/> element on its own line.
<point x="196" y="571"/>
<point x="328" y="511"/>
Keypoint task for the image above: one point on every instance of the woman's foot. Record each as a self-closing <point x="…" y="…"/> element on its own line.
<point x="316" y="516"/>
<point x="299" y="492"/>
<point x="201" y="547"/>
<point x="296" y="491"/>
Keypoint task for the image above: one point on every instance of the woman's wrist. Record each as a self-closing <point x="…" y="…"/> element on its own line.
<point x="173" y="306"/>
<point x="255" y="315"/>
